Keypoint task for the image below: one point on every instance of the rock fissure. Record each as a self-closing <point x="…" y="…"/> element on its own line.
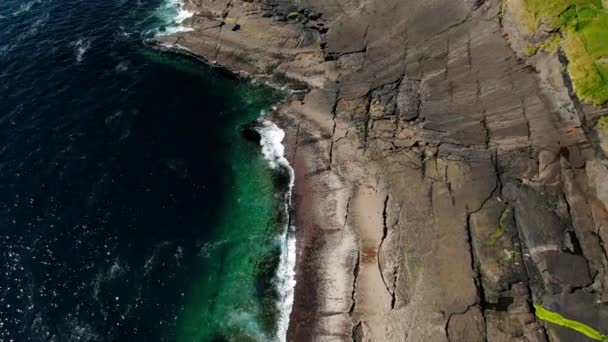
<point x="475" y="267"/>
<point x="384" y="235"/>
<point x="347" y="211"/>
<point x="451" y="315"/>
<point x="354" y="288"/>
<point x="521" y="247"/>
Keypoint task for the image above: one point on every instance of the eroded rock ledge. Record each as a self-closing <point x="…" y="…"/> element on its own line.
<point x="445" y="185"/>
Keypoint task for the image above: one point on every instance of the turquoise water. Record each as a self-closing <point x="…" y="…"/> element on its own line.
<point x="131" y="207"/>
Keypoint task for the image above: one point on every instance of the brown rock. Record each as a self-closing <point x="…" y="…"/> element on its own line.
<point x="468" y="326"/>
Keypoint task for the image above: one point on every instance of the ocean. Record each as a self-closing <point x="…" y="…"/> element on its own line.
<point x="132" y="208"/>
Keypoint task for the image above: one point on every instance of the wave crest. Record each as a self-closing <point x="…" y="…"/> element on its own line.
<point x="271" y="140"/>
<point x="81" y="46"/>
<point x="173" y="13"/>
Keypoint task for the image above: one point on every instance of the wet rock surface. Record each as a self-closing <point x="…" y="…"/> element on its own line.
<point x="449" y="184"/>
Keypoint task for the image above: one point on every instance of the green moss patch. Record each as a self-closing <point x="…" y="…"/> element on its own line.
<point x="603" y="122"/>
<point x="530" y="50"/>
<point x="550" y="12"/>
<point x="502" y="229"/>
<point x="583" y="25"/>
<point x="586" y="45"/>
<point x="552" y="43"/>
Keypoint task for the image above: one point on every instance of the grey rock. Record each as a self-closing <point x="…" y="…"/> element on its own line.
<point x="408" y="100"/>
<point x="567" y="269"/>
<point x="433" y="95"/>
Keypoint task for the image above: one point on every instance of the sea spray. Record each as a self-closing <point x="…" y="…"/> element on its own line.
<point x="173" y="14"/>
<point x="271" y="138"/>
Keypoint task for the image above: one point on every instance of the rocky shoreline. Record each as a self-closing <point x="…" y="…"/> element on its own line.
<point x="445" y="184"/>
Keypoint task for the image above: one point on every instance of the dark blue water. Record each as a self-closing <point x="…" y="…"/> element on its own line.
<point x="117" y="170"/>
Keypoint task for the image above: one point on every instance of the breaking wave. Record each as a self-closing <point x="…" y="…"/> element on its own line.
<point x="271" y="138"/>
<point x="173" y="14"/>
<point x="81" y="46"/>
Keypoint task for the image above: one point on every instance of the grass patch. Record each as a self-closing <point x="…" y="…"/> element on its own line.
<point x="583" y="25"/>
<point x="557" y="319"/>
<point x="552" y="43"/>
<point x="530" y="50"/>
<point x="550" y="12"/>
<point x="586" y="45"/>
<point x="603" y="122"/>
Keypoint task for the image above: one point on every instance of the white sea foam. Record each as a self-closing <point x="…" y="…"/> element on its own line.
<point x="272" y="144"/>
<point x="34" y="28"/>
<point x="182" y="12"/>
<point x="246" y="323"/>
<point x="173" y="13"/>
<point x="81" y="47"/>
<point x="209" y="247"/>
<point x="122" y="67"/>
<point x="274" y="151"/>
<point x="26" y="7"/>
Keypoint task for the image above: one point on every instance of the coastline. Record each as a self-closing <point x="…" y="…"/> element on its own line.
<point x="408" y="159"/>
<point x="321" y="200"/>
<point x="324" y="245"/>
<point x="286" y="265"/>
<point x="273" y="150"/>
<point x="298" y="189"/>
<point x="338" y="211"/>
